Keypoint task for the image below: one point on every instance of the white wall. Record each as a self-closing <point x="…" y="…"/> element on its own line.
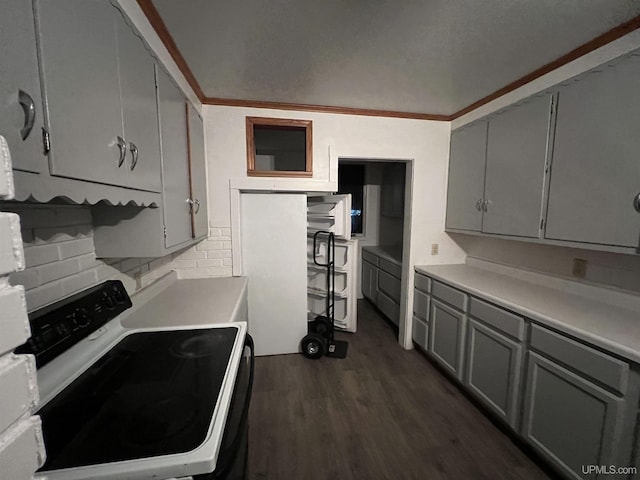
<point x="424" y="143"/>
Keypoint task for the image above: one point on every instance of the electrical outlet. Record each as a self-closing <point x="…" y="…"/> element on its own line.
<point x="579" y="267"/>
<point x="434" y="249"/>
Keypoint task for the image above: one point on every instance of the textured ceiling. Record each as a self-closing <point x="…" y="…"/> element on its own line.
<point x="423" y="56"/>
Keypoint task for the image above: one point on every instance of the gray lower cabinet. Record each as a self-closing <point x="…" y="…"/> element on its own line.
<point x="369" y="280"/>
<point x="494" y="366"/>
<point x="381" y="283"/>
<point x="21" y="113"/>
<point x="569" y="419"/>
<point x="446" y="336"/>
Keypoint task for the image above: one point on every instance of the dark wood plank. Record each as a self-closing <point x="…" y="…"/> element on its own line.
<point x="381" y="413"/>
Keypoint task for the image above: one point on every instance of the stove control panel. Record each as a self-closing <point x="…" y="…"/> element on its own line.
<point x="57" y="327"/>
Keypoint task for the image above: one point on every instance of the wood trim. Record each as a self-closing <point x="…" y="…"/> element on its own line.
<point x="601" y="40"/>
<point x="160" y="27"/>
<point x="285" y="123"/>
<point x="324" y="109"/>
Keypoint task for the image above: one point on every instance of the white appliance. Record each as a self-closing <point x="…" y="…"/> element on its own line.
<point x="332" y="213"/>
<point x="140" y="404"/>
<point x="273" y="234"/>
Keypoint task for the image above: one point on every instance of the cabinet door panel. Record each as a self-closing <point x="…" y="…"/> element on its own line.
<point x="80" y="65"/>
<point x="596" y="158"/>
<point x="466" y="177"/>
<point x="198" y="174"/>
<point x="19" y="59"/>
<point x="366" y="278"/>
<point x="447" y="336"/>
<point x="493" y="366"/>
<point x="139" y="109"/>
<point x="561" y="407"/>
<point x="516" y="155"/>
<point x="175" y="167"/>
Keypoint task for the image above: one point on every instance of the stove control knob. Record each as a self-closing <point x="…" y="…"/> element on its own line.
<point x="81" y="317"/>
<point x="118" y="296"/>
<point x="108" y="302"/>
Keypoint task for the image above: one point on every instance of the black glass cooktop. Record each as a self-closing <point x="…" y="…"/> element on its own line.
<point x="153" y="394"/>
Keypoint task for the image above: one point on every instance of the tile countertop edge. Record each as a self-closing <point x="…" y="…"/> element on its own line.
<point x="628" y="352"/>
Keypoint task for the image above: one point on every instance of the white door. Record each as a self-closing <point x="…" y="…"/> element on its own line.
<point x="274" y="258"/>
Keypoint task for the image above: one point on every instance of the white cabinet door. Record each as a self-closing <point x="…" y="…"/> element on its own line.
<point x="466" y="177"/>
<point x="19" y="60"/>
<point x="198" y="174"/>
<point x="515" y="173"/>
<point x="595" y="173"/>
<point x="175" y="164"/>
<point x="80" y="67"/>
<point x="139" y="109"/>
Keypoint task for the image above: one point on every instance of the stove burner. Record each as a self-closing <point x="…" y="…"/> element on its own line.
<point x="160" y="420"/>
<point x="198" y="346"/>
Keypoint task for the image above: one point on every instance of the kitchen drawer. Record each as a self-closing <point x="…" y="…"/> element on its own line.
<point x="453" y="297"/>
<point x="498" y="318"/>
<point x="388" y="307"/>
<point x="422" y="283"/>
<point x="390" y="267"/>
<point x="420" y="332"/>
<point x="389" y="285"/>
<point x="369" y="257"/>
<point x="597" y="365"/>
<point x="420" y="304"/>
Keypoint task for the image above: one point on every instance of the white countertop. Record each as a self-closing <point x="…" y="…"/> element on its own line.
<point x="174" y="302"/>
<point x="393" y="254"/>
<point x="608" y="319"/>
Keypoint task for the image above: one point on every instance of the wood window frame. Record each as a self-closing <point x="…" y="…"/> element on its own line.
<point x="251" y="122"/>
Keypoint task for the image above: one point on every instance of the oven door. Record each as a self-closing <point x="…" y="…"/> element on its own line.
<point x="233" y="457"/>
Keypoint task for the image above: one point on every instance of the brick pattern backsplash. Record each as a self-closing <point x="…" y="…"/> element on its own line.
<point x="21" y="444"/>
<point x="209" y="258"/>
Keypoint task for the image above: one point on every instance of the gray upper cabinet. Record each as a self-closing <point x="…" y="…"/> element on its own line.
<point x="596" y="159"/>
<point x="197" y="169"/>
<point x="176" y="189"/>
<point x="139" y="109"/>
<point x="515" y="173"/>
<point x="100" y="95"/>
<point x="80" y="66"/>
<point x="465" y="192"/>
<point x="21" y="115"/>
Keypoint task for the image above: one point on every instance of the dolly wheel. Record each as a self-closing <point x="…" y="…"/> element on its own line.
<point x="313" y="346"/>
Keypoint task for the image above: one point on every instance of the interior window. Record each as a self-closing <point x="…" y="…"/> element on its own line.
<point x="351" y="180"/>
<point x="278" y="147"/>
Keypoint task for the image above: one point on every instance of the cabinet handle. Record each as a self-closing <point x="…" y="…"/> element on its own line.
<point x="123" y="151"/>
<point x="190" y="202"/>
<point x="134" y="155"/>
<point x="197" y="202"/>
<point x="636" y="203"/>
<point x="485" y="206"/>
<point x="479" y="205"/>
<point x="29" y="109"/>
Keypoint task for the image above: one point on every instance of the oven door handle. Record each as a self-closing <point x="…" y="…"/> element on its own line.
<point x="229" y="453"/>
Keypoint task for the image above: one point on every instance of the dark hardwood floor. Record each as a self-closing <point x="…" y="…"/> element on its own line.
<point x="381" y="413"/>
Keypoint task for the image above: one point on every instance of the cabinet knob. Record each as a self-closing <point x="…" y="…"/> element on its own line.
<point x="197" y="203"/>
<point x="636" y="203"/>
<point x="479" y="205"/>
<point x="29" y="109"/>
<point x="123" y="150"/>
<point x="485" y="205"/>
<point x="134" y="155"/>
